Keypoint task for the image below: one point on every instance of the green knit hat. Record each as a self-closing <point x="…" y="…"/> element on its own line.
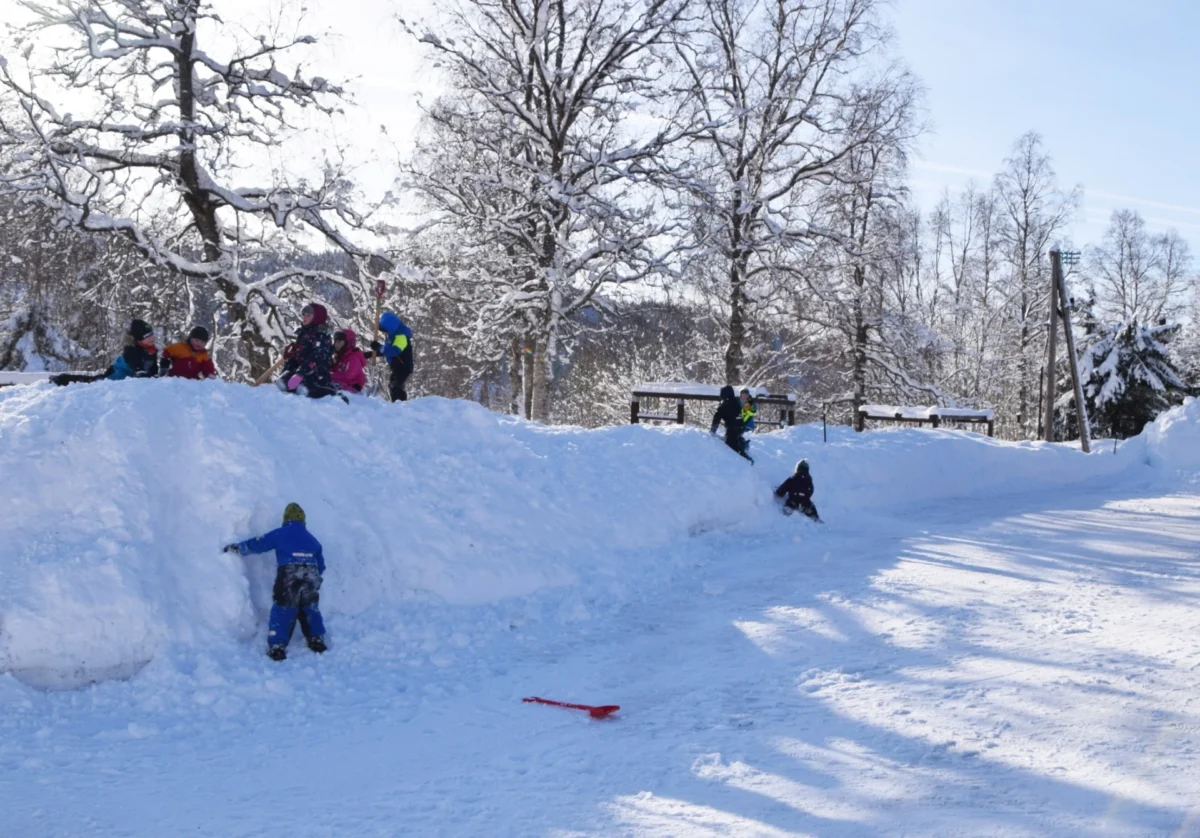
<point x="293" y="513"/>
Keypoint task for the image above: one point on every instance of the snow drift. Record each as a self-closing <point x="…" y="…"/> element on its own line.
<point x="119" y="495"/>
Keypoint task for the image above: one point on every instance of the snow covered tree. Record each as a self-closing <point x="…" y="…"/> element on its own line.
<point x="1034" y="211"/>
<point x="850" y="282"/>
<point x="1185" y="348"/>
<point x="532" y="172"/>
<point x="967" y="299"/>
<point x="1138" y="276"/>
<point x="780" y="90"/>
<point x="1128" y="377"/>
<point x="66" y="296"/>
<point x="136" y="113"/>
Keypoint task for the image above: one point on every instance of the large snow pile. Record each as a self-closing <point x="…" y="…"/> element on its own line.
<point x="1172" y="441"/>
<point x="118" y="496"/>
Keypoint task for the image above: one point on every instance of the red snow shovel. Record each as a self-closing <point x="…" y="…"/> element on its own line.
<point x="602" y="712"/>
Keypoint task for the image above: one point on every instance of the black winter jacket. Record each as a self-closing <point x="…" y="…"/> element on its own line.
<point x="729" y="412"/>
<point x="798" y="487"/>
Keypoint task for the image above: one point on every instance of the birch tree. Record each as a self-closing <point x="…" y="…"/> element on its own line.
<point x="553" y="112"/>
<point x="137" y="115"/>
<point x="1034" y="212"/>
<point x="775" y="84"/>
<point x="1138" y="276"/>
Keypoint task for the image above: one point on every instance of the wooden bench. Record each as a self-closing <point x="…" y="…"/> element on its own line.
<point x="934" y="416"/>
<point x="683" y="393"/>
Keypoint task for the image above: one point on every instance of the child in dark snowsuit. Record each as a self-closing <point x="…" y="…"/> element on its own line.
<point x="798" y="490"/>
<point x="139" y="359"/>
<point x="730" y="412"/>
<point x="397" y="350"/>
<point x="306" y="370"/>
<point x="297" y="582"/>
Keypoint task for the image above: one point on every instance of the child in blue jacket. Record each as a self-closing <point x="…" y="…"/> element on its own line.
<point x="397" y="350"/>
<point x="297" y="582"/>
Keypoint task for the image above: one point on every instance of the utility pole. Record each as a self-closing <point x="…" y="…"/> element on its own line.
<point x="1059" y="307"/>
<point x="1052" y="346"/>
<point x="1071" y="257"/>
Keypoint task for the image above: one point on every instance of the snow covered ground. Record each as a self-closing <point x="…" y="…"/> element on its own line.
<point x="985" y="639"/>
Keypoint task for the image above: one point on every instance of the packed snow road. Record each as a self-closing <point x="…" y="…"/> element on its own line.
<point x="1024" y="666"/>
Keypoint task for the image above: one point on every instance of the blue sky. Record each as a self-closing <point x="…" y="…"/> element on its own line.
<point x="1111" y="87"/>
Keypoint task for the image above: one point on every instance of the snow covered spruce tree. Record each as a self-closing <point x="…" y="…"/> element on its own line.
<point x="137" y="113"/>
<point x="533" y="168"/>
<point x="1128" y="377"/>
<point x="781" y="91"/>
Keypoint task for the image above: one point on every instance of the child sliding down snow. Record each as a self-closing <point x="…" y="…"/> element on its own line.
<point x="297" y="581"/>
<point x="798" y="490"/>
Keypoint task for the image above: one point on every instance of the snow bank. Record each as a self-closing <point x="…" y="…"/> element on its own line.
<point x="118" y="496"/>
<point x="898" y="471"/>
<point x="1172" y="441"/>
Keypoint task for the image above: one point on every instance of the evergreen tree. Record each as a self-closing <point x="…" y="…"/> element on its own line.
<point x="1129" y="378"/>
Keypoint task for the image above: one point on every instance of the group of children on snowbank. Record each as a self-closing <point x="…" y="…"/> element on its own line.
<point x="738" y="412"/>
<point x="139" y="359"/>
<point x="314" y="365"/>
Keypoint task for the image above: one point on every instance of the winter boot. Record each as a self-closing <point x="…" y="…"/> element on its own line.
<point x="277" y="653"/>
<point x="317" y="644"/>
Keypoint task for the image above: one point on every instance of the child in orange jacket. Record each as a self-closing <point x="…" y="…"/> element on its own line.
<point x="189" y="358"/>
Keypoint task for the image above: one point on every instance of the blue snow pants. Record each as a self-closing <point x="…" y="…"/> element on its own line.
<point x="296" y="594"/>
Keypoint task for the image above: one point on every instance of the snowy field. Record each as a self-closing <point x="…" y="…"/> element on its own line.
<point x="984" y="639"/>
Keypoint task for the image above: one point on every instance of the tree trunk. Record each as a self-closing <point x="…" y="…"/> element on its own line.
<point x="1023" y="373"/>
<point x="735" y="353"/>
<point x="516" y="379"/>
<point x="543" y="376"/>
<point x="255" y="348"/>
<point x="739" y="263"/>
<point x="527" y="362"/>
<point x="859" y="368"/>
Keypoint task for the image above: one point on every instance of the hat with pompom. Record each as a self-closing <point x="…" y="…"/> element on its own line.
<point x="293" y="512"/>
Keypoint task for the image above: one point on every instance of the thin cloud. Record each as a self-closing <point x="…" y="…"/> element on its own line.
<point x="1126" y="199"/>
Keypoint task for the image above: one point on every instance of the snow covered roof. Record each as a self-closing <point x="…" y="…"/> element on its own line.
<point x="691" y="388"/>
<point x="924" y="414"/>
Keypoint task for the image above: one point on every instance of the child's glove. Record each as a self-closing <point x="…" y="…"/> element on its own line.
<point x="231" y="548"/>
<point x="376" y="347"/>
<point x="295" y="381"/>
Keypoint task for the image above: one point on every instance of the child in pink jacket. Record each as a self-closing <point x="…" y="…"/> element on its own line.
<point x="349" y="363"/>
